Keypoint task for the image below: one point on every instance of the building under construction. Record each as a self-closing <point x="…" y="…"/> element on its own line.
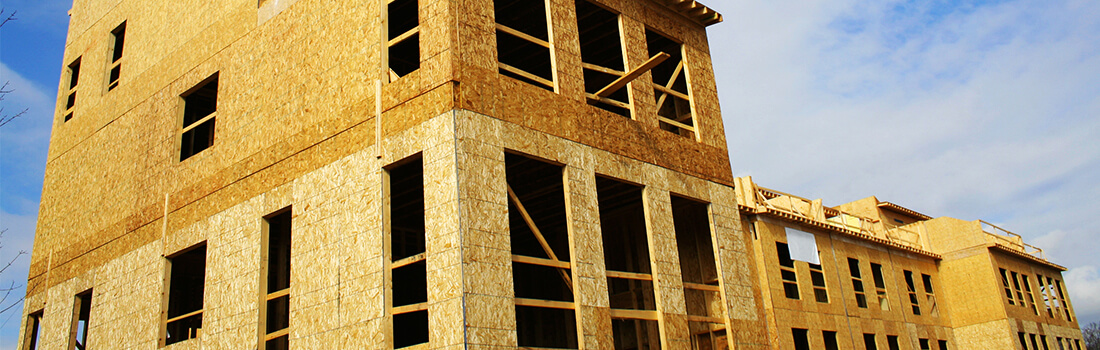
<point x="445" y="174"/>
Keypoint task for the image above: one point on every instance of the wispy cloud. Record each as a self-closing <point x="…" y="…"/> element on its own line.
<point x="970" y="109"/>
<point x="24" y="142"/>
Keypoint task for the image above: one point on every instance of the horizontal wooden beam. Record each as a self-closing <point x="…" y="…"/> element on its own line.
<point x="409" y="261"/>
<point x="278" y="294"/>
<point x="397" y="310"/>
<point x="186" y="315"/>
<point x="699" y="286"/>
<point x="553" y="304"/>
<point x="634" y="314"/>
<point x="523" y="35"/>
<point x="524" y="74"/>
<point x="629" y="275"/>
<point x="541" y="262"/>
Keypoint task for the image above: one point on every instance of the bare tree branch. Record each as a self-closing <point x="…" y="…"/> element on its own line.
<point x="10" y="17"/>
<point x="4" y="118"/>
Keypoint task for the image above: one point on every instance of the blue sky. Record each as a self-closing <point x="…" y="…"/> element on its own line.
<point x="971" y="109"/>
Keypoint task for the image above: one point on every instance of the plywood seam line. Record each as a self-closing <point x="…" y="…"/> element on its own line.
<point x="461" y="226"/>
<point x="840" y="278"/>
<point x="538" y="236"/>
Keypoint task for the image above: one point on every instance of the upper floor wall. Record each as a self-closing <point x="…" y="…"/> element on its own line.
<point x="282" y="79"/>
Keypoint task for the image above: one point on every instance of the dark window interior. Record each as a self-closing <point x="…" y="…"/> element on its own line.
<point x="34" y="328"/>
<point x="830" y="340"/>
<point x="626" y="249"/>
<point x="892" y="342"/>
<point x="528" y="17"/>
<point x="801" y="339"/>
<point x="869" y="341"/>
<point x="407" y="230"/>
<point x="198" y="104"/>
<point x="670" y="75"/>
<point x="83" y="315"/>
<point x="119" y="37"/>
<point x="185" y="294"/>
<point x="404" y="56"/>
<point x="278" y="277"/>
<point x="601" y="45"/>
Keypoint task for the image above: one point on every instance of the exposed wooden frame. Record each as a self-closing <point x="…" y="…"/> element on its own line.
<point x="648" y="65"/>
<point x="548" y="44"/>
<point x="650" y="315"/>
<point x="526" y="75"/>
<point x="523" y="35"/>
<point x="538" y="235"/>
<point x="602" y="69"/>
<point x="198" y="122"/>
<point x="113" y="63"/>
<point x="629" y="275"/>
<point x="384" y="21"/>
<point x="553" y="304"/>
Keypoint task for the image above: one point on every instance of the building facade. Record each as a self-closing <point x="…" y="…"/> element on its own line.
<point x="430" y="174"/>
<point x="888" y="277"/>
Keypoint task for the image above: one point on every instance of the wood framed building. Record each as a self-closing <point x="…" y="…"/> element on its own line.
<point x="426" y="174"/>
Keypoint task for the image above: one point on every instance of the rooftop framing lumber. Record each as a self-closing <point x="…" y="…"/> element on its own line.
<point x="633" y="74"/>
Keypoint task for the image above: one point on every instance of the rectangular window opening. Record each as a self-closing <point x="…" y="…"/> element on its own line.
<point x="82" y="312"/>
<point x="930" y="295"/>
<point x="1042" y="340"/>
<point x="869" y="341"/>
<point x="629" y="272"/>
<point x="801" y="339"/>
<point x="787" y="271"/>
<point x="880" y="287"/>
<point x="1034" y="343"/>
<point x="1007" y="287"/>
<point x="74" y="78"/>
<point x="892" y="342"/>
<point x="912" y="289"/>
<point x="1030" y="295"/>
<point x="699" y="272"/>
<point x="670" y="86"/>
<point x="603" y="60"/>
<point x="185" y="283"/>
<point x="830" y="340"/>
<point x="943" y="344"/>
<point x="817" y="279"/>
<point x="857" y="283"/>
<point x="200" y="106"/>
<point x="408" y="294"/>
<point x="118" y="39"/>
<point x="924" y="344"/>
<point x="33" y="331"/>
<point x="523" y="41"/>
<point x="275" y="310"/>
<point x="1062" y="298"/>
<point x="403" y="38"/>
<point x="541" y="269"/>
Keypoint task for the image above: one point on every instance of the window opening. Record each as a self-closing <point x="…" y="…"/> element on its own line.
<point x="869" y="341"/>
<point x="670" y="86"/>
<point x="1034" y="344"/>
<point x="817" y="278"/>
<point x="787" y="271"/>
<point x="403" y="38"/>
<point x="857" y="283"/>
<point x="602" y="57"/>
<point x="924" y="344"/>
<point x="1062" y="298"/>
<point x="523" y="41"/>
<point x="1078" y="342"/>
<point x="1056" y="304"/>
<point x="880" y="287"/>
<point x="200" y="107"/>
<point x="801" y="340"/>
<point x="118" y="38"/>
<point x="1030" y="294"/>
<point x="1007" y="287"/>
<point x="830" y="340"/>
<point x="275" y="310"/>
<point x="892" y="342"/>
<point x="408" y="278"/>
<point x="1023" y="340"/>
<point x="34" y="329"/>
<point x="1042" y="340"/>
<point x="943" y="344"/>
<point x="1018" y="289"/>
<point x="911" y="288"/>
<point x="699" y="274"/>
<point x="629" y="273"/>
<point x="542" y="271"/>
<point x="186" y="279"/>
<point x="930" y="294"/>
<point x="74" y="77"/>
<point x="1058" y="340"/>
<point x="82" y="311"/>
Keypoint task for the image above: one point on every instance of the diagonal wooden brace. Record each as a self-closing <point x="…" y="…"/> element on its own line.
<point x="538" y="236"/>
<point x="632" y="74"/>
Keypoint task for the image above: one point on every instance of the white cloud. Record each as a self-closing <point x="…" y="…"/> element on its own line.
<point x="24" y="142"/>
<point x="1084" y="293"/>
<point x="982" y="111"/>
